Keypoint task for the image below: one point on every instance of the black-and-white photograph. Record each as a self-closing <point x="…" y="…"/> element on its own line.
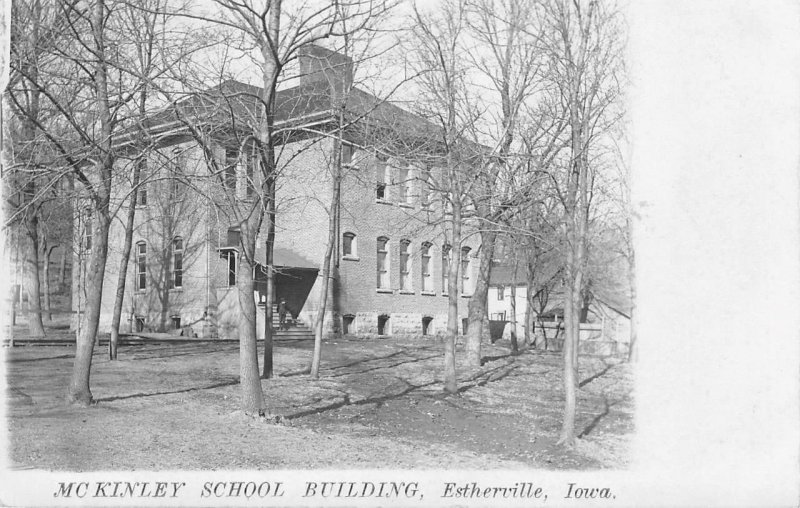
<point x="375" y="235"/>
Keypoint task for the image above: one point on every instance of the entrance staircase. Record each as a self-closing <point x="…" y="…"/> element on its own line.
<point x="297" y="329"/>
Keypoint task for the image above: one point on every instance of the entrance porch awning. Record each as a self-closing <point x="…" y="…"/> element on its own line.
<point x="294" y="277"/>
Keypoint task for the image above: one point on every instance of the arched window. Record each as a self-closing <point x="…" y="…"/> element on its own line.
<point x="405" y="265"/>
<point x="141" y="266"/>
<point x="466" y="281"/>
<point x="445" y="267"/>
<point x="177" y="262"/>
<point x="427" y="280"/>
<point x="383" y="262"/>
<point x="349" y="247"/>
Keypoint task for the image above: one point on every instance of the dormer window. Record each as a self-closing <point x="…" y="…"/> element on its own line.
<point x="381" y="170"/>
<point x="176" y="178"/>
<point x="404" y="186"/>
<point x="141" y="191"/>
<point x="424" y="187"/>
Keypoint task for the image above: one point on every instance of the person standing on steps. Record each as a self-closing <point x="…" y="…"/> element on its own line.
<point x="282" y="314"/>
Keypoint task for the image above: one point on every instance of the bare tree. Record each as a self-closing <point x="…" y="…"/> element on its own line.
<point x="447" y="102"/>
<point x="271" y="36"/>
<point x="35" y="31"/>
<point x="584" y="44"/>
<point x="146" y="26"/>
<point x="88" y="84"/>
<point x="355" y="50"/>
<point x="507" y="54"/>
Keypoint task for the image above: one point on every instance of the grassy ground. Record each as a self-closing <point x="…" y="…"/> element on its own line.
<point x="378" y="404"/>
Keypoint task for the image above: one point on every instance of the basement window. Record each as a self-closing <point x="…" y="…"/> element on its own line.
<point x="383" y="324"/>
<point x="426" y="325"/>
<point x="347" y="323"/>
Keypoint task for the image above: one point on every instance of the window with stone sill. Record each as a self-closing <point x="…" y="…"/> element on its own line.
<point x="177" y="171"/>
<point x="466" y="280"/>
<point x="425" y="268"/>
<point x="445" y="267"/>
<point x="141" y="266"/>
<point x="405" y="266"/>
<point x="382" y="263"/>
<point x="177" y="263"/>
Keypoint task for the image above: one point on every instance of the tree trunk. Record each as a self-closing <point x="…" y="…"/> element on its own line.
<point x="252" y="395"/>
<point x="567" y="437"/>
<point x="123" y="264"/>
<point x="450" y="384"/>
<point x="270" y="286"/>
<point x="530" y="323"/>
<point x="530" y="299"/>
<point x="479" y="301"/>
<point x="326" y="264"/>
<point x="78" y="391"/>
<point x="514" y="345"/>
<point x="46" y="276"/>
<point x="31" y="229"/>
<point x="270" y="70"/>
<point x="62" y="269"/>
<point x="633" y="348"/>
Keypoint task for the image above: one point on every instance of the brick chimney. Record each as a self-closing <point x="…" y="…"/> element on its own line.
<point x="321" y="65"/>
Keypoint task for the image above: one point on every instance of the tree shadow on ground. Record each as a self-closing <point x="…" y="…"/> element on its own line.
<point x="346" y="401"/>
<point x="596" y="375"/>
<point x="606" y="411"/>
<point x="28" y="360"/>
<point x="480" y="379"/>
<point x="228" y="382"/>
<point x="363" y="361"/>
